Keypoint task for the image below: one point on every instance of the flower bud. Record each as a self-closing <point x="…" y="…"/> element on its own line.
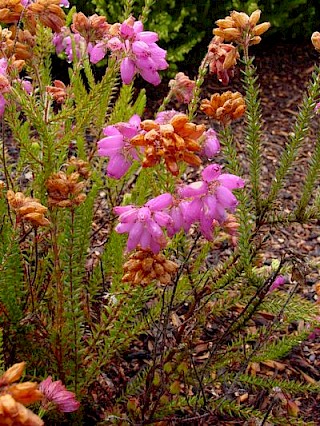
<point x="261" y="28"/>
<point x="254" y="18"/>
<point x="13" y="373"/>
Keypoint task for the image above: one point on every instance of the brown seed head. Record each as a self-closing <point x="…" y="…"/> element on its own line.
<point x="225" y="107"/>
<point x="65" y="190"/>
<point x="80" y="166"/>
<point x="174" y="142"/>
<point x="144" y="266"/>
<point x="27" y="209"/>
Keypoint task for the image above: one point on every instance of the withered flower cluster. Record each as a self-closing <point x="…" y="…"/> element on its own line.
<point x="91" y="28"/>
<point x="65" y="190"/>
<point x="48" y="12"/>
<point x="27" y="209"/>
<point x="173" y="142"/>
<point x="225" y="107"/>
<point x="80" y="166"/>
<point x="222" y="59"/>
<point x="16" y="46"/>
<point x="58" y="91"/>
<point x="241" y="28"/>
<point x="10" y="11"/>
<point x="14" y="397"/>
<point x="144" y="266"/>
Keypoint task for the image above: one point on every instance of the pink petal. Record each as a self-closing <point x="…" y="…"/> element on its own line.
<point x="231" y="181"/>
<point x="211" y="172"/>
<point x="118" y="166"/>
<point x="226" y="198"/>
<point x="194" y="189"/>
<point x="135" y="235"/>
<point x="127" y="70"/>
<point x="159" y="203"/>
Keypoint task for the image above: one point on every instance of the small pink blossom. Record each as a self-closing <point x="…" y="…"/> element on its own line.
<point x="144" y="224"/>
<point x="57" y="394"/>
<point x="182" y="88"/>
<point x="317" y="108"/>
<point x="116" y="145"/>
<point x="63" y="43"/>
<point x="279" y="281"/>
<point x="210" y="144"/>
<point x="164" y="117"/>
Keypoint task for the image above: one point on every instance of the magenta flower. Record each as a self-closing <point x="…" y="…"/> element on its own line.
<point x="279" y="281"/>
<point x="144" y="224"/>
<point x="57" y="394"/>
<point x="211" y="198"/>
<point x="116" y="145"/>
<point x="63" y="43"/>
<point x="317" y="108"/>
<point x="140" y="53"/>
<point x="210" y="144"/>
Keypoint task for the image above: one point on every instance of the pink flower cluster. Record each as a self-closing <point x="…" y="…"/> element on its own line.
<point x="116" y="145"/>
<point x="136" y="49"/>
<point x="63" y="43"/>
<point x="55" y="393"/>
<point x="205" y="202"/>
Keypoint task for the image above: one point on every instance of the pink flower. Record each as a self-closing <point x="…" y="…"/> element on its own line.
<point x="63" y="43"/>
<point x="164" y="117"/>
<point x="317" y="108"/>
<point x="2" y="105"/>
<point x="116" y="145"/>
<point x="279" y="281"/>
<point x="211" y="198"/>
<point x="56" y="393"/>
<point x="138" y="52"/>
<point x="210" y="144"/>
<point x="182" y="88"/>
<point x="144" y="224"/>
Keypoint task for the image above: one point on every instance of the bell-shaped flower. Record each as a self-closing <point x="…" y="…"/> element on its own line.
<point x="116" y="145"/>
<point x="144" y="224"/>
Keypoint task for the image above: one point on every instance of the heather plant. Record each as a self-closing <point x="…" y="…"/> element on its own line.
<point x="109" y="222"/>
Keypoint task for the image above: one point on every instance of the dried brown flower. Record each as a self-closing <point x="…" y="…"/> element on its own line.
<point x="65" y="190"/>
<point x="49" y="13"/>
<point x="27" y="209"/>
<point x="17" y="45"/>
<point x="13" y="397"/>
<point x="174" y="142"/>
<point x="241" y="28"/>
<point x="225" y="107"/>
<point x="82" y="167"/>
<point x="10" y="11"/>
<point x="58" y="91"/>
<point x="315" y="38"/>
<point x="92" y="28"/>
<point x="222" y="59"/>
<point x="144" y="266"/>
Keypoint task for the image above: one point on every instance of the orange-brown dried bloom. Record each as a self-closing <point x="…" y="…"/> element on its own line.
<point x="80" y="166"/>
<point x="17" y="46"/>
<point x="315" y="38"/>
<point x="58" y="91"/>
<point x="144" y="266"/>
<point x="182" y="88"/>
<point x="222" y="59"/>
<point x="65" y="190"/>
<point x="231" y="227"/>
<point x="225" y="107"/>
<point x="13" y="397"/>
<point x="174" y="142"/>
<point x="241" y="28"/>
<point x="92" y="28"/>
<point x="10" y="11"/>
<point x="27" y="209"/>
<point x="49" y="13"/>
